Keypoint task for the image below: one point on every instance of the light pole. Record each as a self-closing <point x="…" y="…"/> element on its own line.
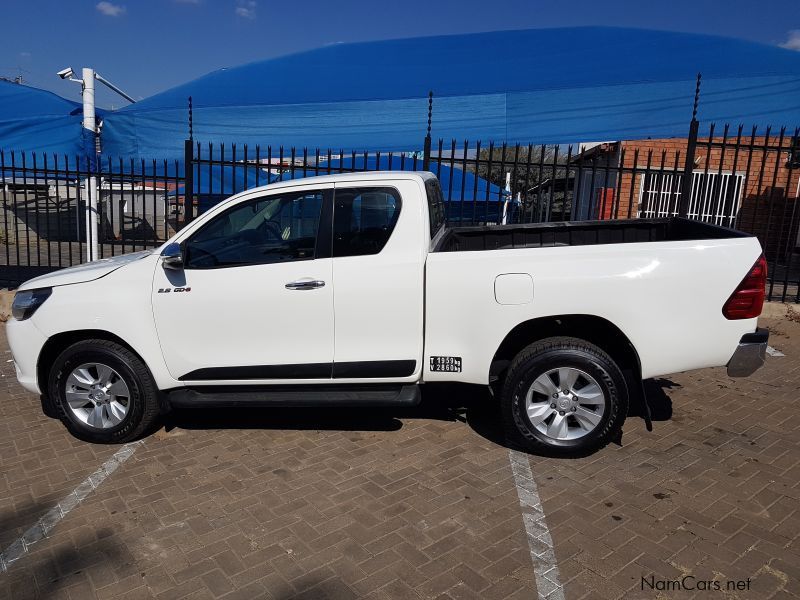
<point x="88" y="77"/>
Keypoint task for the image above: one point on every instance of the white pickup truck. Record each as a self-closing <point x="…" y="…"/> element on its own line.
<point x="351" y="290"/>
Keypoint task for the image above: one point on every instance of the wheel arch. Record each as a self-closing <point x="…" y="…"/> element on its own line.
<point x="62" y="340"/>
<point x="591" y="328"/>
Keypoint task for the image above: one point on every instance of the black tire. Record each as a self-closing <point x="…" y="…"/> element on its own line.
<point x="143" y="404"/>
<point x="552" y="353"/>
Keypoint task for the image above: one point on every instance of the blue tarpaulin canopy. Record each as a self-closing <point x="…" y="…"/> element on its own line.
<point x="37" y="120"/>
<point x="226" y="180"/>
<point x="541" y="85"/>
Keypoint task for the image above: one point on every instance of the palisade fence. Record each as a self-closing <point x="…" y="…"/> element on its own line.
<point x="45" y="198"/>
<point x="734" y="177"/>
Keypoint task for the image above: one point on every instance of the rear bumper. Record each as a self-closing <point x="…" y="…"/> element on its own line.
<point x="750" y="354"/>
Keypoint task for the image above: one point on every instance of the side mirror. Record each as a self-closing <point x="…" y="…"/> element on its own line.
<point x="172" y="257"/>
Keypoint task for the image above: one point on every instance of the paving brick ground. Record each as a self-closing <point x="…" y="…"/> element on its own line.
<point x="350" y="504"/>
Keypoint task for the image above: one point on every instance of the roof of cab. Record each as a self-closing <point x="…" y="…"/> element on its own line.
<point x="421" y="176"/>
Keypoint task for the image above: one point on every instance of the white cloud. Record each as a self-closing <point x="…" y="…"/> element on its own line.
<point x="246" y="9"/>
<point x="792" y="40"/>
<point x="110" y="10"/>
<point x="25" y="54"/>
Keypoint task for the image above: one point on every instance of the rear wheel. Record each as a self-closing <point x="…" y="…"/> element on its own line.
<point x="103" y="392"/>
<point x="563" y="396"/>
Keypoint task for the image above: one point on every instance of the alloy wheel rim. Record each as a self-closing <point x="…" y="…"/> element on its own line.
<point x="565" y="403"/>
<point x="97" y="395"/>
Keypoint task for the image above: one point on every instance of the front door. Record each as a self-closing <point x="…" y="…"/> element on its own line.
<point x="254" y="301"/>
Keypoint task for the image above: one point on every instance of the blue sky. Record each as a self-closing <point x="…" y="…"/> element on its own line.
<point x="146" y="46"/>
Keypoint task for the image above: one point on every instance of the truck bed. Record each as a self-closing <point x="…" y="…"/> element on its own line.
<point x="580" y="233"/>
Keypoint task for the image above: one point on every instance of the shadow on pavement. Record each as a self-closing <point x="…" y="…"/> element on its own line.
<point x="470" y="404"/>
<point x="302" y="418"/>
<point x="660" y="402"/>
<point x="310" y="587"/>
<point x="46" y="574"/>
<point x="15" y="521"/>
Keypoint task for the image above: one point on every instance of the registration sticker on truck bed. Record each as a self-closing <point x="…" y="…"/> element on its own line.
<point x="448" y="364"/>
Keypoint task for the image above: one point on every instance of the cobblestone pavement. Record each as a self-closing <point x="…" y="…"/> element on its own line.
<point x="310" y="503"/>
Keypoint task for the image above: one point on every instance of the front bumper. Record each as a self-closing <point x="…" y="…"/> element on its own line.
<point x="750" y="354"/>
<point x="26" y="342"/>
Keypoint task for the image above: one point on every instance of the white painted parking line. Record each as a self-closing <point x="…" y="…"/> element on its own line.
<point x="545" y="568"/>
<point x="44" y="525"/>
<point x="772" y="352"/>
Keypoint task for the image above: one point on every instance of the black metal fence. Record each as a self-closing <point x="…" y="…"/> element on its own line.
<point x="746" y="179"/>
<point x="46" y="201"/>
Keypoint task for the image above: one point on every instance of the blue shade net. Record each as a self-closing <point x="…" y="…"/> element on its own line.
<point x="562" y="85"/>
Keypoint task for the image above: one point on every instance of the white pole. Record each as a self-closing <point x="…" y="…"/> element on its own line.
<point x="504" y="220"/>
<point x="89" y="123"/>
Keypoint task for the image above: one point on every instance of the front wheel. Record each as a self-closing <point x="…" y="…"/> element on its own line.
<point x="104" y="393"/>
<point x="563" y="397"/>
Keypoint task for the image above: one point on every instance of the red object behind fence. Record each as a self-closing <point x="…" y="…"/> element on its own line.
<point x="604" y="204"/>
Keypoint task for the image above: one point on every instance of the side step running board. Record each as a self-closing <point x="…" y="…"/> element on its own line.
<point x="296" y="395"/>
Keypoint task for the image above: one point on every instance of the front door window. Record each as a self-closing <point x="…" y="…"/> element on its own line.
<point x="273" y="229"/>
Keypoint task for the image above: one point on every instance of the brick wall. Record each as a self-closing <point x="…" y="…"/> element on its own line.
<point x="768" y="205"/>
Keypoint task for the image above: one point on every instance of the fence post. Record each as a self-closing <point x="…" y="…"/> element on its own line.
<point x="191" y="120"/>
<point x="426" y="153"/>
<point x="188" y="179"/>
<point x="691" y="147"/>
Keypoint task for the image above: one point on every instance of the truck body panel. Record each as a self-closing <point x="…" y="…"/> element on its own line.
<point x="659" y="294"/>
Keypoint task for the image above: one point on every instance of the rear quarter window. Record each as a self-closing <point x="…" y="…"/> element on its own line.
<point x="364" y="219"/>
<point x="435" y="205"/>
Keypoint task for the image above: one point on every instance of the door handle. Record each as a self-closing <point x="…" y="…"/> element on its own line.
<point x="305" y="284"/>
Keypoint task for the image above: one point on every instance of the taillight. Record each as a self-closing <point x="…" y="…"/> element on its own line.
<point x="747" y="300"/>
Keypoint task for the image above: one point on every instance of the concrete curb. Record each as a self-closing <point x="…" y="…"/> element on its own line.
<point x="6" y="298"/>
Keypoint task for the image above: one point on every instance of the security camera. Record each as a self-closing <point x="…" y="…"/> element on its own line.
<point x="66" y="73"/>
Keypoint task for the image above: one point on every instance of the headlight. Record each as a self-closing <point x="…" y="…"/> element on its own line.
<point x="26" y="302"/>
